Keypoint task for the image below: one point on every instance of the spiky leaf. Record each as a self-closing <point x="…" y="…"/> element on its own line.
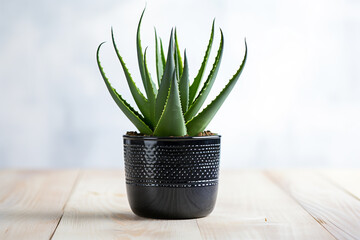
<point x="162" y="53"/>
<point x="139" y="98"/>
<point x="152" y="90"/>
<point x="172" y="121"/>
<point x="129" y="111"/>
<point x="176" y="63"/>
<point x="199" y="123"/>
<point x="146" y="81"/>
<point x="151" y="93"/>
<point x="184" y="86"/>
<point x="140" y="53"/>
<point x="166" y="80"/>
<point x="196" y="83"/>
<point x="178" y="56"/>
<point x="195" y="107"/>
<point x="160" y="64"/>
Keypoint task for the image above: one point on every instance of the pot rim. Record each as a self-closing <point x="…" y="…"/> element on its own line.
<point x="154" y="138"/>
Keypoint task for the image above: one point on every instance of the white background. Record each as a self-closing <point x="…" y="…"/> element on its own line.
<point x="297" y="103"/>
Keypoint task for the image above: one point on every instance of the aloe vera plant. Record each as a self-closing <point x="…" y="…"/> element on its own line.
<point x="170" y="106"/>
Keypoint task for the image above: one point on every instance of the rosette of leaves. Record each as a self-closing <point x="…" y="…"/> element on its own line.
<point x="170" y="107"/>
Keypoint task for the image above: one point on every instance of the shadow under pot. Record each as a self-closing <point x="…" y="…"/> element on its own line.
<point x="172" y="177"/>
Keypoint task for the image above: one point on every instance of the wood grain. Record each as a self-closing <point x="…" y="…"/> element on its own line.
<point x="31" y="202"/>
<point x="335" y="209"/>
<point x="349" y="180"/>
<point x="250" y="206"/>
<point x="98" y="209"/>
<point x="92" y="204"/>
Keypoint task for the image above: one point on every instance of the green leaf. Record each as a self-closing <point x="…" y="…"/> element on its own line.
<point x="195" y="85"/>
<point x="176" y="64"/>
<point x="199" y="123"/>
<point x="159" y="63"/>
<point x="139" y="98"/>
<point x="129" y="111"/>
<point x="172" y="121"/>
<point x="195" y="107"/>
<point x="184" y="86"/>
<point x="152" y="89"/>
<point x="140" y="54"/>
<point x="162" y="53"/>
<point x="178" y="56"/>
<point x="166" y="80"/>
<point x="151" y="92"/>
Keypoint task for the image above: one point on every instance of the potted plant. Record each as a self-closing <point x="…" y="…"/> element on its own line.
<point x="171" y="165"/>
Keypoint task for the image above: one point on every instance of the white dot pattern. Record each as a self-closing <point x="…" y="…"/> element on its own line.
<point x="172" y="164"/>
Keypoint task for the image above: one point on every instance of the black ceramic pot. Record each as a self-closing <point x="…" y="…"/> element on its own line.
<point x="173" y="177"/>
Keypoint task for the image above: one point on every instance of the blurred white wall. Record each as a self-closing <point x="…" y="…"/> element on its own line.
<point x="297" y="103"/>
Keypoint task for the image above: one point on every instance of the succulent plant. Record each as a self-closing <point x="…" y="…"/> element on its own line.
<point x="170" y="107"/>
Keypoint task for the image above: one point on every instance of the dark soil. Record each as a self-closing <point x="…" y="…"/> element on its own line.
<point x="204" y="133"/>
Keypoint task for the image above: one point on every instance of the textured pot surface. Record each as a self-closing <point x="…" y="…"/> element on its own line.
<point x="173" y="177"/>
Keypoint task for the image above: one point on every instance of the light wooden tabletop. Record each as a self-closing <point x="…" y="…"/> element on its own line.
<point x="252" y="204"/>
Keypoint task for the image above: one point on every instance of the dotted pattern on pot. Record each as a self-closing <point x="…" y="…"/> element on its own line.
<point x="188" y="165"/>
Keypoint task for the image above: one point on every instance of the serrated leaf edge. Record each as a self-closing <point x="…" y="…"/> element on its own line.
<point x="143" y="106"/>
<point x="122" y="100"/>
<point x="194" y="87"/>
<point x="210" y="79"/>
<point x="165" y="106"/>
<point x="234" y="79"/>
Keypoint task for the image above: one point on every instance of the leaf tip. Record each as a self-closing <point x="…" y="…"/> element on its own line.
<point x="222" y="35"/>
<point x="142" y="14"/>
<point x="97" y="52"/>
<point x="144" y="9"/>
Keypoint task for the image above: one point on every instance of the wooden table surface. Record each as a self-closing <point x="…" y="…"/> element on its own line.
<point x="252" y="204"/>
